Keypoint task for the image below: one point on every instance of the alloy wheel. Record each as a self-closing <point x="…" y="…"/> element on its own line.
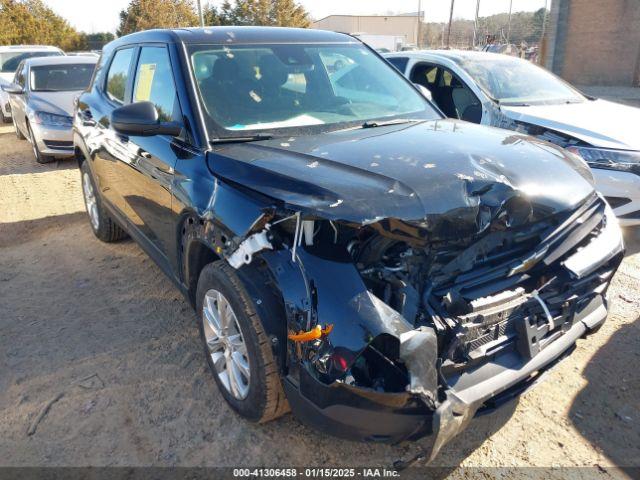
<point x="225" y="344"/>
<point x="90" y="200"/>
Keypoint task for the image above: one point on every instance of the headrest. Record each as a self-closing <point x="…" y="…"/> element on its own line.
<point x="273" y="73"/>
<point x="225" y="70"/>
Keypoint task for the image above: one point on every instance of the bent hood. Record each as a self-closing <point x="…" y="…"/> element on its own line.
<point x="59" y="103"/>
<point x="441" y="173"/>
<point x="599" y="123"/>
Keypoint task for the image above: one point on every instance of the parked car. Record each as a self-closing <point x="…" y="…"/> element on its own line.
<point x="42" y="96"/>
<point x="511" y="93"/>
<point x="384" y="272"/>
<point x="83" y="54"/>
<point x="10" y="58"/>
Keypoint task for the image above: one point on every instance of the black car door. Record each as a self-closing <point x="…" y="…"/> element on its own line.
<point x="108" y="148"/>
<point x="145" y="170"/>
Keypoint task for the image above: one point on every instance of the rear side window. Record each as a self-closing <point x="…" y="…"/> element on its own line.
<point x="118" y="75"/>
<point x="154" y="83"/>
<point x="399" y="62"/>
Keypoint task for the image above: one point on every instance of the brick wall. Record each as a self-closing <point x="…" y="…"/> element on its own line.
<point x="596" y="42"/>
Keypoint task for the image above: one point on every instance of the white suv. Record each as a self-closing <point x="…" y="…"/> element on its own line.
<point x="10" y="58"/>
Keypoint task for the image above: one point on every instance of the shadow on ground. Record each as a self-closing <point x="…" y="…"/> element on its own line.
<point x="613" y="392"/>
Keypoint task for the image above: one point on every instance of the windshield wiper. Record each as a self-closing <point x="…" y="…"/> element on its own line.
<point x="251" y="138"/>
<point x="374" y="123"/>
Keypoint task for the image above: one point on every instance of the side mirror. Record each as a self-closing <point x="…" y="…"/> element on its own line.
<point x="13" y="88"/>
<point x="141" y="119"/>
<point x="426" y="93"/>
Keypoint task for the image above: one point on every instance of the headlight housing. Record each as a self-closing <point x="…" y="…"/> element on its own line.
<point x="608" y="158"/>
<point x="52" y="119"/>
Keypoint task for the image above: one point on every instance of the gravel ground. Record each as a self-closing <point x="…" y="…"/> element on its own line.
<point x="100" y="336"/>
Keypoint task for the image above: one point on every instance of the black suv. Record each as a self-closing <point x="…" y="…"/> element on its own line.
<point x="352" y="255"/>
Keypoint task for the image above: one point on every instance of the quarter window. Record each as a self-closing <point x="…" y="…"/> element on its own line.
<point x="399" y="62"/>
<point x="154" y="83"/>
<point x="118" y="75"/>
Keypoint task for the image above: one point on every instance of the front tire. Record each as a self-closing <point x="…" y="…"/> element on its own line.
<point x="102" y="225"/>
<point x="237" y="348"/>
<point x="40" y="158"/>
<point x="19" y="134"/>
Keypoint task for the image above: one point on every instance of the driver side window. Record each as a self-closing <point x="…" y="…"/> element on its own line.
<point x="154" y="83"/>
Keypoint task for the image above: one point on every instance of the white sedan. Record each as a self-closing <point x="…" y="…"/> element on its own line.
<point x="512" y="93"/>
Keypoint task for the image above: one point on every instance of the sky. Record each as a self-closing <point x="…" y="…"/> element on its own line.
<point x="102" y="15"/>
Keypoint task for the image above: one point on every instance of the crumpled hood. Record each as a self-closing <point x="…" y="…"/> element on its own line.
<point x="60" y="103"/>
<point x="413" y="172"/>
<point x="599" y="123"/>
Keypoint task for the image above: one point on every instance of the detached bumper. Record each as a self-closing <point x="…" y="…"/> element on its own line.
<point x="367" y="415"/>
<point x="53" y="140"/>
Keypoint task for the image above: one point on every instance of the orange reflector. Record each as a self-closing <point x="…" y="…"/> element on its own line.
<point x="313" y="334"/>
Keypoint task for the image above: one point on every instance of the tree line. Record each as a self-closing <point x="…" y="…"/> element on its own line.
<point x="146" y="14"/>
<point x="526" y="27"/>
<point x="32" y="22"/>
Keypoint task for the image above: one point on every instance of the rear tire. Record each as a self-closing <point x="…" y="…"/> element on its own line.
<point x="264" y="400"/>
<point x="102" y="225"/>
<point x="40" y="158"/>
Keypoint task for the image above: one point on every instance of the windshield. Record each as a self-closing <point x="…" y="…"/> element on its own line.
<point x="315" y="87"/>
<point x="9" y="61"/>
<point x="515" y="81"/>
<point x="61" y="78"/>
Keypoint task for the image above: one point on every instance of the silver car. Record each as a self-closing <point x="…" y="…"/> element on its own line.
<point x="10" y="58"/>
<point x="512" y="93"/>
<point x="42" y="96"/>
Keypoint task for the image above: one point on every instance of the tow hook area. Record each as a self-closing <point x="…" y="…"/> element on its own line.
<point x="450" y="418"/>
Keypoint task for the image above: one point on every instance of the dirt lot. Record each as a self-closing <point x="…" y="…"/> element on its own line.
<point x="100" y="325"/>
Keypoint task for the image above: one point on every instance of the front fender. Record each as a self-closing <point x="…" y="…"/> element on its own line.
<point x="330" y="291"/>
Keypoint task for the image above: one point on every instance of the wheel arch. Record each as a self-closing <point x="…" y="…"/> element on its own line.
<point x="80" y="151"/>
<point x="199" y="247"/>
<point x="196" y="255"/>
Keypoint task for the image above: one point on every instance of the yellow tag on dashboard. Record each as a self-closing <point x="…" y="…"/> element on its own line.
<point x="145" y="80"/>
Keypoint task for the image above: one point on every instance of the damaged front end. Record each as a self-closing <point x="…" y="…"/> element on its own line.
<point x="414" y="336"/>
<point x="406" y="327"/>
